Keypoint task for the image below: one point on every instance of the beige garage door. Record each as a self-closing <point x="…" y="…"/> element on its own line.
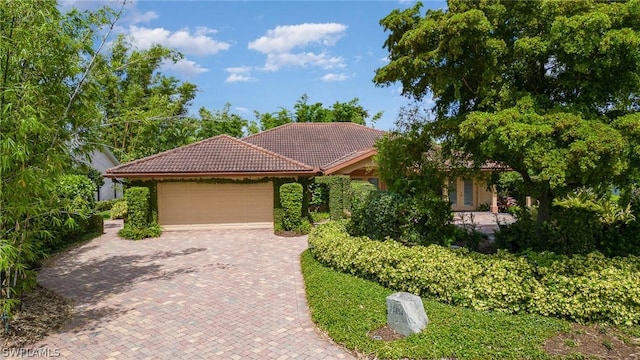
<point x="185" y="204"/>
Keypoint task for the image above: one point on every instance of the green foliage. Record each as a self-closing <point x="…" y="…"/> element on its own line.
<point x="360" y="191"/>
<point x="291" y="201"/>
<point x="339" y="194"/>
<point x="303" y="111"/>
<point x="582" y="288"/>
<point x="510" y="183"/>
<point x="220" y="122"/>
<point x="47" y="106"/>
<point x="104" y="205"/>
<point x="317" y="216"/>
<point x="319" y="196"/>
<point x="579" y="223"/>
<point x="412" y="220"/>
<point x="348" y="308"/>
<point x="546" y="88"/>
<point x="119" y="210"/>
<point x="140" y="222"/>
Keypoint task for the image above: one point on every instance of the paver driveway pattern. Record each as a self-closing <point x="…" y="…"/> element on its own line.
<point x="224" y="294"/>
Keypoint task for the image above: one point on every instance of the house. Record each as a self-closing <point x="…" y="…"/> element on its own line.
<point x="101" y="160"/>
<point x="224" y="180"/>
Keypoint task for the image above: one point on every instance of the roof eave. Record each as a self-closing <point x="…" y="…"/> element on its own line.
<point x="340" y="166"/>
<point x="165" y="175"/>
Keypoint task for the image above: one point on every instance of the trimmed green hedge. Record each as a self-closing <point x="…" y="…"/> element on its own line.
<point x="582" y="288"/>
<point x="119" y="210"/>
<point x="140" y="221"/>
<point x="291" y="202"/>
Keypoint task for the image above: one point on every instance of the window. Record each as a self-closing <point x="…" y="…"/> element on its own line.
<point x="375" y="182"/>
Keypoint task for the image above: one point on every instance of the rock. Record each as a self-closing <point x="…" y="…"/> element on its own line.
<point x="405" y="313"/>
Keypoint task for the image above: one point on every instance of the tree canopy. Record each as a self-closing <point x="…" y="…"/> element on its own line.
<point x="303" y="111"/>
<point x="548" y="88"/>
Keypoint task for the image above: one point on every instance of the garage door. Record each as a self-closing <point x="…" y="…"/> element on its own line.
<point x="185" y="204"/>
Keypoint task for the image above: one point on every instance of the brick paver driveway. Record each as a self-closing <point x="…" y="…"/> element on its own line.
<point x="227" y="294"/>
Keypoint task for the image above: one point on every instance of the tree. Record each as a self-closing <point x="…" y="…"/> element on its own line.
<point x="350" y="111"/>
<point x="548" y="88"/>
<point x="47" y="108"/>
<point x="220" y="122"/>
<point x="144" y="111"/>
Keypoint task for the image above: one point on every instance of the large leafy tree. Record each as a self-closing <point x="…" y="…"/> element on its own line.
<point x="548" y="88"/>
<point x="47" y="111"/>
<point x="143" y="110"/>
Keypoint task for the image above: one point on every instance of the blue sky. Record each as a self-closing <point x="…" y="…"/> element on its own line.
<point x="263" y="55"/>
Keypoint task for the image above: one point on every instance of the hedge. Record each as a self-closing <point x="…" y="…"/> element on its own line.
<point x="582" y="288"/>
<point x="291" y="202"/>
<point x="140" y="221"/>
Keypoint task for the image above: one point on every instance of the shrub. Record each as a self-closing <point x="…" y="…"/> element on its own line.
<point x="105" y="205"/>
<point x="319" y="197"/>
<point x="415" y="220"/>
<point x="583" y="288"/>
<point x="76" y="199"/>
<point x="119" y="210"/>
<point x="579" y="224"/>
<point x="139" y="222"/>
<point x="339" y="197"/>
<point x="291" y="201"/>
<point x="360" y="190"/>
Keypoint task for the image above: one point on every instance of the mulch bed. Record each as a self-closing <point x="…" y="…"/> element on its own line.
<point x="597" y="341"/>
<point x="385" y="333"/>
<point x="43" y="312"/>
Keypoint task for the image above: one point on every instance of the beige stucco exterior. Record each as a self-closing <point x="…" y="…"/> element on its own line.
<point x="206" y="205"/>
<point x="469" y="194"/>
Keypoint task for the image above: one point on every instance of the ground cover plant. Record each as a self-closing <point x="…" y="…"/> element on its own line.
<point x="348" y="308"/>
<point x="581" y="288"/>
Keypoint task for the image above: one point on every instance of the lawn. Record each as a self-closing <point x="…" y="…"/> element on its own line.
<point x="347" y="308"/>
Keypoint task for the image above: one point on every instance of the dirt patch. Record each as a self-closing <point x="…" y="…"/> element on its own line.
<point x="594" y="341"/>
<point x="43" y="312"/>
<point x="385" y="333"/>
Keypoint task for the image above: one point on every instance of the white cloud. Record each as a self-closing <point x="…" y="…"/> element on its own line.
<point x="279" y="45"/>
<point x="285" y="38"/>
<point x="192" y="43"/>
<point x="243" y="110"/>
<point x="334" y="77"/>
<point x="136" y="17"/>
<point x="276" y="61"/>
<point x="239" y="74"/>
<point x="184" y="67"/>
<point x="232" y="78"/>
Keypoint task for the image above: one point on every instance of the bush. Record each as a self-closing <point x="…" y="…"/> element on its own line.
<point x="579" y="224"/>
<point x="119" y="210"/>
<point x="319" y="197"/>
<point x="583" y="288"/>
<point x="105" y="205"/>
<point x="339" y="197"/>
<point x="360" y="190"/>
<point x="291" y="201"/>
<point x="139" y="222"/>
<point x="76" y="199"/>
<point x="414" y="220"/>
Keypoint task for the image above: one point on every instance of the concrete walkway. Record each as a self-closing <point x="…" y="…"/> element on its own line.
<point x="225" y="294"/>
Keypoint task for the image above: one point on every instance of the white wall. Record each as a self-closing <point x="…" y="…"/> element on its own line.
<point x="101" y="162"/>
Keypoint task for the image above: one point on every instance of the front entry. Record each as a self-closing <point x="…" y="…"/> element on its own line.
<point x="461" y="195"/>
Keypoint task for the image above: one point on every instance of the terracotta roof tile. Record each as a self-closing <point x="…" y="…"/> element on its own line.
<point x="316" y="144"/>
<point x="220" y="154"/>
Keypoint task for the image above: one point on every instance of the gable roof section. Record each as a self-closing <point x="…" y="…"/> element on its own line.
<point x="220" y="155"/>
<point x="316" y="144"/>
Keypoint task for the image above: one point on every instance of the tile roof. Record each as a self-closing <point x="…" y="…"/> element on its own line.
<point x="316" y="144"/>
<point x="220" y="154"/>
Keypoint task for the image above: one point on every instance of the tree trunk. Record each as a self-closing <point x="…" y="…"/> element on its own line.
<point x="544" y="211"/>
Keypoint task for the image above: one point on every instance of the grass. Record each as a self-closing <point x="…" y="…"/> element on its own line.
<point x="346" y="308"/>
<point x="106" y="215"/>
